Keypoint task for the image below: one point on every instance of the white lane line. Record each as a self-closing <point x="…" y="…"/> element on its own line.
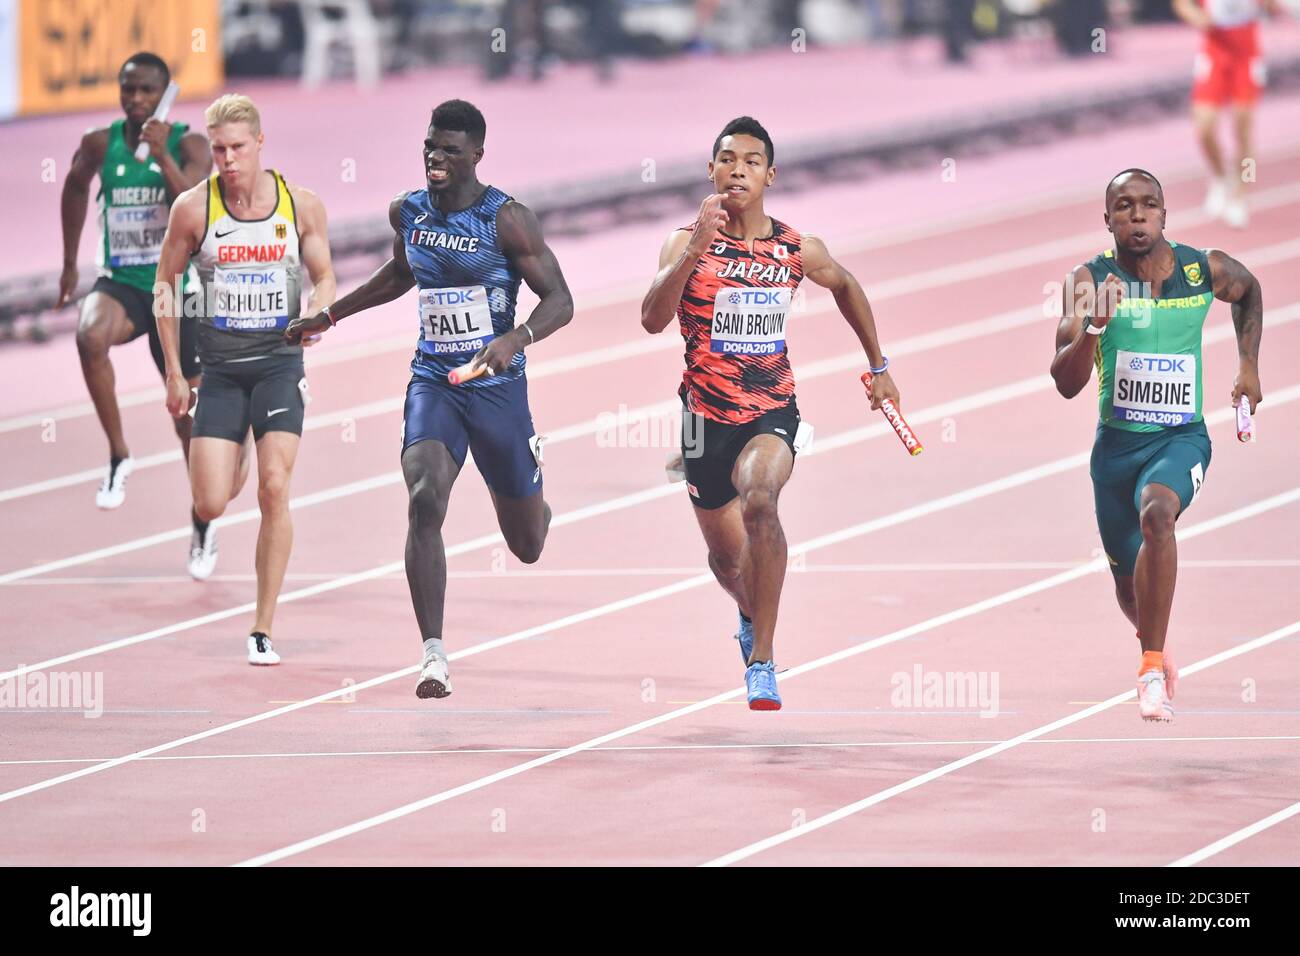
<point x="1220" y="333"/>
<point x="929" y="624"/>
<point x="843" y="245"/>
<point x="528" y="574"/>
<point x="942" y="771"/>
<point x="1276" y="399"/>
<point x="1232" y="839"/>
<point x="893" y="288"/>
<point x="650" y="748"/>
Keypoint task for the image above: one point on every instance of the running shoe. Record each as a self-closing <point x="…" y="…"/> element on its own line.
<point x="260" y="650"/>
<point x="112" y="490"/>
<point x="1171" y="676"/>
<point x="203" y="553"/>
<point x="1153" y="700"/>
<point x="1235" y="214"/>
<point x="1216" y="198"/>
<point x="745" y="637"/>
<point x="434" y="680"/>
<point x="760" y="681"/>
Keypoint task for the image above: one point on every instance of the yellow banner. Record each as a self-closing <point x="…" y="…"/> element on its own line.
<point x="71" y="50"/>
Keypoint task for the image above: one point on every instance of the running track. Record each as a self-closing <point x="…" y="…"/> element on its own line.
<point x="596" y="717"/>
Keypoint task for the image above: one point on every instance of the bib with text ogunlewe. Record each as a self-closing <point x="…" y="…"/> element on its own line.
<point x="749" y="321"/>
<point x="135" y="234"/>
<point x="456" y="321"/>
<point x="1155" y="389"/>
<point x="250" y="301"/>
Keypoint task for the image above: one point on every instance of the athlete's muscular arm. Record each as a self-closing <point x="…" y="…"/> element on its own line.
<point x="185" y="226"/>
<point x="520" y="236"/>
<point x="76" y="197"/>
<point x="314" y="249"/>
<point x="1233" y="282"/>
<point x="196" y="158"/>
<point x="390" y="281"/>
<point x="1082" y="305"/>
<point x="820" y="268"/>
<point x="677" y="260"/>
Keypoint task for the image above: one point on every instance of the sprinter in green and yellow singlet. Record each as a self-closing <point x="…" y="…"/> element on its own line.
<point x="133" y="202"/>
<point x="1135" y="313"/>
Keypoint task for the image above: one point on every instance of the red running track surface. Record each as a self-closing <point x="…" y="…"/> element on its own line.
<point x="596" y="716"/>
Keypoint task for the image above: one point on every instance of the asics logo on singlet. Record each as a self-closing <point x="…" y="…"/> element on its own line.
<point x="1157" y="364"/>
<point x="421" y="217"/>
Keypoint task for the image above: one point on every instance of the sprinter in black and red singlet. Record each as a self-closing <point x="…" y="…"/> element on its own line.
<point x="728" y="279"/>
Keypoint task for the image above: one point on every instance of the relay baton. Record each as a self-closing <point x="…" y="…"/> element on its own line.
<point x="164" y="106"/>
<point x="895" y="418"/>
<point x="1245" y="424"/>
<point x="466" y="372"/>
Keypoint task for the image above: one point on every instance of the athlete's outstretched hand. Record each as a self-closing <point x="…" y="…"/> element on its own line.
<point x="155" y="133"/>
<point x="1109" y="296"/>
<point x="500" y="352"/>
<point x="883" y="387"/>
<point x="306" y="329"/>
<point x="67" y="285"/>
<point x="711" y="219"/>
<point x="178" y="396"/>
<point x="1247" y="383"/>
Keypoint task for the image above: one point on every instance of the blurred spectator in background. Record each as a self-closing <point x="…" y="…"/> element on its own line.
<point x="528" y="43"/>
<point x="1229" y="68"/>
<point x="958" y="25"/>
<point x="1076" y="21"/>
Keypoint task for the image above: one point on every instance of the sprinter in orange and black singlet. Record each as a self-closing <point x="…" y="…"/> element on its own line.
<point x="729" y="279"/>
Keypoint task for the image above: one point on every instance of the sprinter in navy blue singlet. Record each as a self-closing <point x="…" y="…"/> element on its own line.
<point x="465" y="247"/>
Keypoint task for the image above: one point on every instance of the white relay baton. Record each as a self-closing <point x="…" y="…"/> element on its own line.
<point x="164" y="107"/>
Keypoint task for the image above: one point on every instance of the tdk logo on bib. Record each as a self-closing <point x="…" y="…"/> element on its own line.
<point x="449" y="296"/>
<point x="1157" y="363"/>
<point x="749" y="321"/>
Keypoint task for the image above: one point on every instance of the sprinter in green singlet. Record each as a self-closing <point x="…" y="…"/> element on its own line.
<point x="133" y="202"/>
<point x="1136" y="313"/>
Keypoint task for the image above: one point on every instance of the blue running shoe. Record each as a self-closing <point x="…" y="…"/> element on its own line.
<point x="745" y="637"/>
<point x="760" y="681"/>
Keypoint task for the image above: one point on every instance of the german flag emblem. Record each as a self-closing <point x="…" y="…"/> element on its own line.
<point x="281" y="231"/>
<point x="1193" y="273"/>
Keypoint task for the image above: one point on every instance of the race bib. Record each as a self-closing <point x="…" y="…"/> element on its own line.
<point x="455" y="321"/>
<point x="749" y="321"/>
<point x="250" y="301"/>
<point x="1155" y="389"/>
<point x="135" y="234"/>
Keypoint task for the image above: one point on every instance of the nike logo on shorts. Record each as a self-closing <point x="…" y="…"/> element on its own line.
<point x="780" y="431"/>
<point x="275" y="411"/>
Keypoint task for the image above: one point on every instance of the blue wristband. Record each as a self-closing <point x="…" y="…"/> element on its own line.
<point x="884" y="368"/>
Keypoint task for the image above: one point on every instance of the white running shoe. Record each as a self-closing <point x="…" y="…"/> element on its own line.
<point x="434" y="679"/>
<point x="260" y="650"/>
<point x="112" y="490"/>
<point x="1236" y="215"/>
<point x="1153" y="701"/>
<point x="203" y="553"/>
<point x="1216" y="198"/>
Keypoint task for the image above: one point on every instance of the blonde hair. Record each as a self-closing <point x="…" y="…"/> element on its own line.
<point x="234" y="108"/>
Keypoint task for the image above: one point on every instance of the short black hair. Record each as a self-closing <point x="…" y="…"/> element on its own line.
<point x="1134" y="171"/>
<point x="746" y="126"/>
<point x="461" y="116"/>
<point x="144" y="58"/>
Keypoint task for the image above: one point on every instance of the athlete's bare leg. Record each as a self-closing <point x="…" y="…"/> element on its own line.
<point x="524" y="523"/>
<point x="750" y="561"/>
<point x="430" y="472"/>
<point x="276" y="452"/>
<point x="1156" y="572"/>
<point x="102" y="325"/>
<point x="1206" y="119"/>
